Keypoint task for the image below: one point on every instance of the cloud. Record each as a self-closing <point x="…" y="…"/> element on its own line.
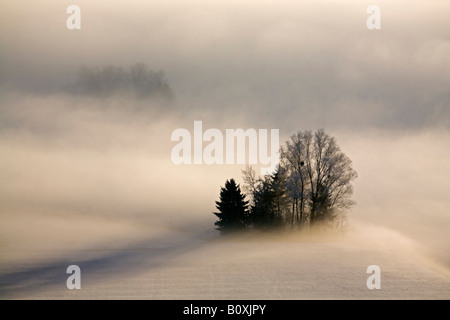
<point x="307" y="64"/>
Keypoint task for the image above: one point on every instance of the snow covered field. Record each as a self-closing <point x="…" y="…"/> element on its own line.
<point x="167" y="264"/>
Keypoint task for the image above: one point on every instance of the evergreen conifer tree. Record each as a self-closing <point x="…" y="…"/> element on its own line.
<point x="232" y="208"/>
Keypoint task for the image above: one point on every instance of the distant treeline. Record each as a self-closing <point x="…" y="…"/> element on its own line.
<point x="138" y="81"/>
<point x="311" y="185"/>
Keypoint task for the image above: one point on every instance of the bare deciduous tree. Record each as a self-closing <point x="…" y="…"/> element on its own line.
<point x="293" y="157"/>
<point x="319" y="176"/>
<point x="312" y="184"/>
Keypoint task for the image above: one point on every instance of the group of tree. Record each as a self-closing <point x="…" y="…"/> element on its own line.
<point x="311" y="186"/>
<point x="137" y="81"/>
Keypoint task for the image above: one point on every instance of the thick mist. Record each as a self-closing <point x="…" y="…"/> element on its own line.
<point x="93" y="159"/>
<point x="291" y="64"/>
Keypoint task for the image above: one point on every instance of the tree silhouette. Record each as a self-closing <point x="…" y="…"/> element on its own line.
<point x="262" y="213"/>
<point x="232" y="208"/>
<point x="311" y="185"/>
<point x="293" y="157"/>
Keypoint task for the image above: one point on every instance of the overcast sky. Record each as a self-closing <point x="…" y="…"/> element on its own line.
<point x="285" y="63"/>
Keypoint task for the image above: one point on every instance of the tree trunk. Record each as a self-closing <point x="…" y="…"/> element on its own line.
<point x="292" y="214"/>
<point x="302" y="204"/>
<point x="301" y="210"/>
